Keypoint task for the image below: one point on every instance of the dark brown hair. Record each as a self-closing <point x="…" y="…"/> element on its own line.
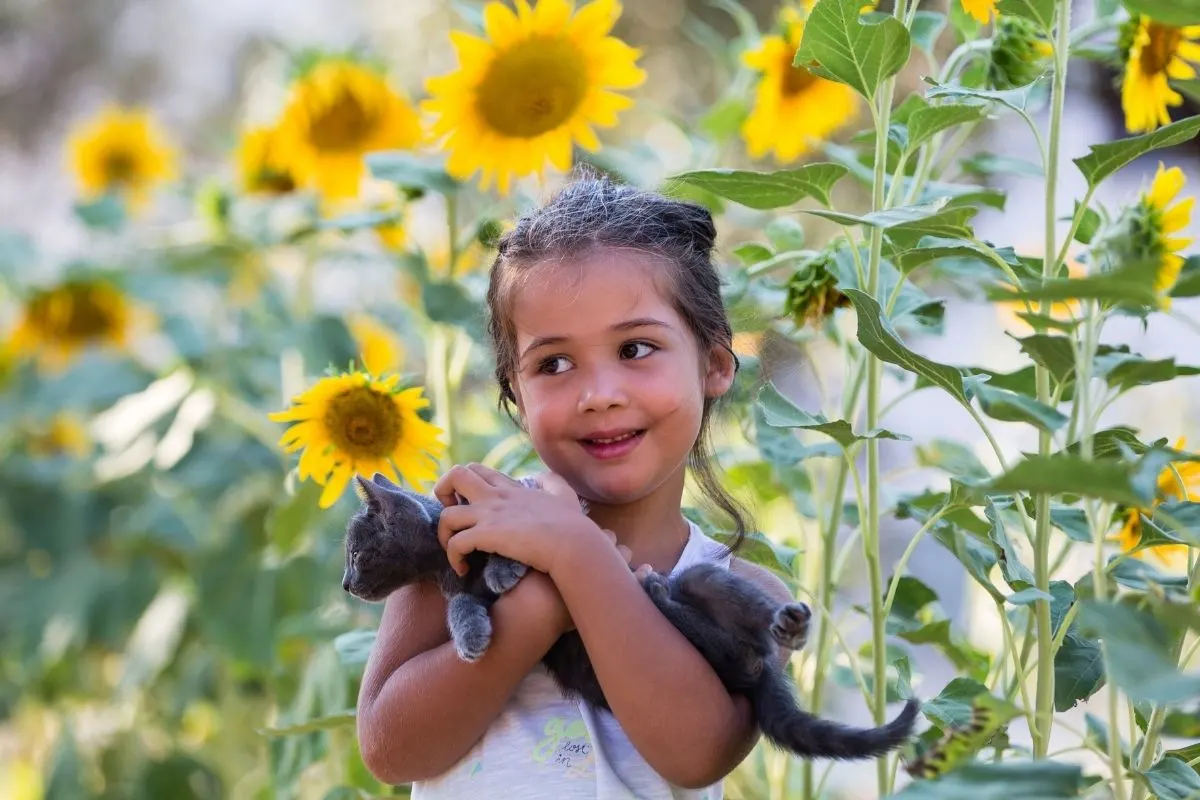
<point x="594" y="213"/>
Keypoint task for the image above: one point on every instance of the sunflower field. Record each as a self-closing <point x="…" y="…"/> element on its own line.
<point x="1002" y="526"/>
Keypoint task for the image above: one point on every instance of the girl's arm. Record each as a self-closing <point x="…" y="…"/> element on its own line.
<point x="421" y="708"/>
<point x="669" y="701"/>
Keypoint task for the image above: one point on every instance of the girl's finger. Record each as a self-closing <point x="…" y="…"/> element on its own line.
<point x="612" y="537"/>
<point x="492" y="476"/>
<point x="643" y="572"/>
<point x="462" y="480"/>
<point x="626" y="554"/>
<point x="459" y="547"/>
<point x="453" y="520"/>
<point x="556" y="485"/>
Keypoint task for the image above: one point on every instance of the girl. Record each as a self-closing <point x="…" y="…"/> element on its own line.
<point x="612" y="343"/>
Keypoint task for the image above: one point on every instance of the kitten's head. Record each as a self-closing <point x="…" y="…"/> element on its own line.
<point x="383" y="538"/>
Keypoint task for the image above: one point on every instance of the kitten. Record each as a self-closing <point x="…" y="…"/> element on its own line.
<point x="392" y="541"/>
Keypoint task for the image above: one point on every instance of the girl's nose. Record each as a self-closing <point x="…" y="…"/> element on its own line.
<point x="601" y="391"/>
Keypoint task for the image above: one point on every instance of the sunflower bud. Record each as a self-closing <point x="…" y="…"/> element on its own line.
<point x="1019" y="53"/>
<point x="813" y="295"/>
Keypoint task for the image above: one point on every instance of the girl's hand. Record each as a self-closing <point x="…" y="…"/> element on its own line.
<point x="502" y="516"/>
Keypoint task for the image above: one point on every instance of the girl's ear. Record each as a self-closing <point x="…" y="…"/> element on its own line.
<point x="719" y="375"/>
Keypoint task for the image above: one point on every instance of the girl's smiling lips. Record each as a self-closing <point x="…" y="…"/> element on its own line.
<point x="612" y="443"/>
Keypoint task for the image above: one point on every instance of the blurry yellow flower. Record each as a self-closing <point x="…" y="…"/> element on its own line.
<point x="793" y="108"/>
<point x="65" y="434"/>
<point x="58" y="322"/>
<point x="1060" y="310"/>
<point x="21" y="780"/>
<point x="338" y="112"/>
<point x="380" y="349"/>
<point x="353" y="423"/>
<point x="980" y="10"/>
<point x="1157" y="52"/>
<point x="532" y="89"/>
<point x="1166" y="216"/>
<point x="1184" y="486"/>
<point x="747" y="343"/>
<point x="121" y="151"/>
<point x="262" y="169"/>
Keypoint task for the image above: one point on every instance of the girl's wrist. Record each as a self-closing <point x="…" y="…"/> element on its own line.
<point x="580" y="548"/>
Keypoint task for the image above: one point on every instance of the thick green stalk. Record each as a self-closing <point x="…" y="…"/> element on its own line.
<point x="1041" y="564"/>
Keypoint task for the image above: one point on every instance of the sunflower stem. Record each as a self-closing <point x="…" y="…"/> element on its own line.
<point x="1041" y="570"/>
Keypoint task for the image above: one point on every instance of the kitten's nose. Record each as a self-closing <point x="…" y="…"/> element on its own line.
<point x="346" y="583"/>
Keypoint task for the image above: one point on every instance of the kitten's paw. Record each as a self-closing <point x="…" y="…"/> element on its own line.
<point x="657" y="586"/>
<point x="470" y="627"/>
<point x="790" y="628"/>
<point x="501" y="574"/>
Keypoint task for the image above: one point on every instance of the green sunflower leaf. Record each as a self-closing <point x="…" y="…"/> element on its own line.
<point x="877" y="335"/>
<point x="780" y="412"/>
<point x="927" y="122"/>
<point x="1171" y="12"/>
<point x="404" y="169"/>
<point x="861" y="54"/>
<point x="1124" y="371"/>
<point x="1131" y="284"/>
<point x="932" y="248"/>
<point x="1009" y="406"/>
<point x="987" y="164"/>
<point x="1018" y="99"/>
<point x="1062" y="474"/>
<point x="323" y="723"/>
<point x="1139" y="656"/>
<point x="1105" y="159"/>
<point x="767" y="190"/>
<point x="979" y="780"/>
<point x="887" y="218"/>
<point x="1173" y="779"/>
<point x="1055" y="353"/>
<point x="1041" y="12"/>
<point x="927" y="26"/>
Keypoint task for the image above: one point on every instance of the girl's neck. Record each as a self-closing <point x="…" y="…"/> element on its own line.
<point x="653" y="527"/>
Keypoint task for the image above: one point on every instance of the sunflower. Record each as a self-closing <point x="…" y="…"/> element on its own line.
<point x="379" y="348"/>
<point x="1168" y="216"/>
<point x="1018" y="54"/>
<point x="1180" y="481"/>
<point x="1156" y="53"/>
<point x="980" y="10"/>
<point x="64" y="434"/>
<point x="533" y="88"/>
<point x="792" y="106"/>
<point x="337" y="113"/>
<point x="58" y="322"/>
<point x="262" y="170"/>
<point x="353" y="423"/>
<point x="120" y="151"/>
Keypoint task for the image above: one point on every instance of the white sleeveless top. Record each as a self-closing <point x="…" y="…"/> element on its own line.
<point x="544" y="747"/>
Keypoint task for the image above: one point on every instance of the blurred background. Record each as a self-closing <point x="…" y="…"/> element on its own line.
<point x="159" y="602"/>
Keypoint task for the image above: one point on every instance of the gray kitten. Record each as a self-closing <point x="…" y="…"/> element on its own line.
<point x="392" y="541"/>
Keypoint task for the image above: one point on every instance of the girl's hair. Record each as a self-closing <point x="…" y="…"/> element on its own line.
<point x="594" y="213"/>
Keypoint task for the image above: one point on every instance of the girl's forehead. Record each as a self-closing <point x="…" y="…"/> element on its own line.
<point x="597" y="291"/>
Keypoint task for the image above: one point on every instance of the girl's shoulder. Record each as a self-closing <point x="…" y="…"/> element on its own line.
<point x="762" y="577"/>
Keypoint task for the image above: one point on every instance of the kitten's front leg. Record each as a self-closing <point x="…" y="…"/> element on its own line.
<point x="501" y="574"/>
<point x="470" y="626"/>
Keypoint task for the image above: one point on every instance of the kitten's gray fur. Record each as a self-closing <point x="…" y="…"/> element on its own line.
<point x="392" y="541"/>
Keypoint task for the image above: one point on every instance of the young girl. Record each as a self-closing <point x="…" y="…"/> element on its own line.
<point x="612" y="343"/>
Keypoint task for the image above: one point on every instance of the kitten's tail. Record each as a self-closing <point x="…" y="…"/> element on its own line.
<point x="788" y="726"/>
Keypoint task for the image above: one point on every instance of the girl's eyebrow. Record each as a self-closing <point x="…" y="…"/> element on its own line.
<point x="637" y="322"/>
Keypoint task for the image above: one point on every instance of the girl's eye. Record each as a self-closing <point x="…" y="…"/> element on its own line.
<point x="635" y="350"/>
<point x="552" y="365"/>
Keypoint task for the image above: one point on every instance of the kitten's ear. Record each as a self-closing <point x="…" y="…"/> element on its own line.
<point x="383" y="481"/>
<point x="391" y="501"/>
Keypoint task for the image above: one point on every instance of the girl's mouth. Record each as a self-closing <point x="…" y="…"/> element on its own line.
<point x="612" y="445"/>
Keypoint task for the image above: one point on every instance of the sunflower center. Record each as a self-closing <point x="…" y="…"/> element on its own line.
<point x="343" y="124"/>
<point x="75" y="313"/>
<point x="363" y="423"/>
<point x="533" y="87"/>
<point x="1158" y="52"/>
<point x="119" y="166"/>
<point x="795" y="79"/>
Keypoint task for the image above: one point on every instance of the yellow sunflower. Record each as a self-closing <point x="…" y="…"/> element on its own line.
<point x="793" y="108"/>
<point x="121" y="151"/>
<point x="64" y="434"/>
<point x="56" y="323"/>
<point x="533" y="88"/>
<point x="261" y="168"/>
<point x="380" y="349"/>
<point x="1157" y="52"/>
<point x="1166" y="216"/>
<point x="353" y="423"/>
<point x="980" y="10"/>
<point x="1180" y="481"/>
<point x="337" y="113"/>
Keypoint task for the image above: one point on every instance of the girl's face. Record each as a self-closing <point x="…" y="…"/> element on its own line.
<point x="610" y="381"/>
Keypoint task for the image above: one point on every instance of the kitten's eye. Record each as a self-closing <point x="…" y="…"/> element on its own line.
<point x="636" y="350"/>
<point x="552" y="365"/>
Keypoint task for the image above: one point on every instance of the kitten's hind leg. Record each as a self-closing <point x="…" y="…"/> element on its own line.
<point x="470" y="626"/>
<point x="790" y="625"/>
<point x="501" y="574"/>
